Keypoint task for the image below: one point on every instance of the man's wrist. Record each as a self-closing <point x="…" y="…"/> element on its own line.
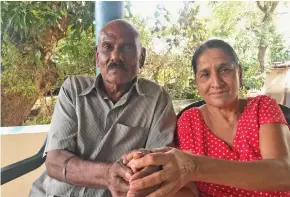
<point x="64" y="171"/>
<point x="107" y="175"/>
<point x="99" y="174"/>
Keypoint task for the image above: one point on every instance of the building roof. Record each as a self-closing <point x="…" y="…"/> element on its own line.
<point x="282" y="64"/>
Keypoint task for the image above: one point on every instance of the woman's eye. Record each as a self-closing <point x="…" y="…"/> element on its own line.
<point x="225" y="70"/>
<point x="204" y="74"/>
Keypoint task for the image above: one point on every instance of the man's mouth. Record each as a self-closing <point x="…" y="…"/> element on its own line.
<point x="114" y="66"/>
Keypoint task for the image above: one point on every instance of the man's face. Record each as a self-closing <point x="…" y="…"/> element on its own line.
<point x="119" y="54"/>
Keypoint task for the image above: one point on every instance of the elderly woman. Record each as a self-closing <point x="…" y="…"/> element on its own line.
<point x="228" y="146"/>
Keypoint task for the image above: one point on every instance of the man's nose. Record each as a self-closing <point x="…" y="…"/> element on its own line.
<point x="116" y="56"/>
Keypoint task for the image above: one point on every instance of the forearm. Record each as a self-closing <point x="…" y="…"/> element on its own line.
<point x="78" y="171"/>
<point x="252" y="175"/>
<point x="189" y="190"/>
<point x="185" y="192"/>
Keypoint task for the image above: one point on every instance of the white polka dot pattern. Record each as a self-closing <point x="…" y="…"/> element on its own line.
<point x="194" y="135"/>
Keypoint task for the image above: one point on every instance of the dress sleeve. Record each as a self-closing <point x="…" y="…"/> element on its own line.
<point x="270" y="112"/>
<point x="184" y="131"/>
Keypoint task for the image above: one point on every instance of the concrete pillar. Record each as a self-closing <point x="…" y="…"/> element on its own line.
<point x="106" y="11"/>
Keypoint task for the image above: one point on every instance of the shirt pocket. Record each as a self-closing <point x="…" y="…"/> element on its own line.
<point x="128" y="137"/>
<point x="120" y="140"/>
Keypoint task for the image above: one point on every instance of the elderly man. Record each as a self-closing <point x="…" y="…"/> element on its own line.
<point x="98" y="119"/>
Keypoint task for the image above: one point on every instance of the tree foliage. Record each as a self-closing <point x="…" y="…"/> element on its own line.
<point x="32" y="30"/>
<point x="250" y="28"/>
<point x="170" y="67"/>
<point x="43" y="42"/>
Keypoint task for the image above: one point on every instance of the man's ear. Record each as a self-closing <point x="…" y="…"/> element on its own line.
<point x="142" y="57"/>
<point x="97" y="56"/>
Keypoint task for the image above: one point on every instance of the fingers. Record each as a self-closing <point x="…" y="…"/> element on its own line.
<point x="145" y="172"/>
<point x="143" y="192"/>
<point x="121" y="186"/>
<point x="152" y="159"/>
<point x="118" y="194"/>
<point x="193" y="188"/>
<point x="149" y="181"/>
<point x="123" y="171"/>
<point x="167" y="189"/>
<point x="163" y="149"/>
<point x="135" y="154"/>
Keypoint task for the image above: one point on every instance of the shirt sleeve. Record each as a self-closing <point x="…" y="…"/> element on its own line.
<point x="183" y="132"/>
<point x="63" y="128"/>
<point x="164" y="124"/>
<point x="270" y="112"/>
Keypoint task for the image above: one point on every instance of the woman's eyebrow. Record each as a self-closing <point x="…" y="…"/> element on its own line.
<point x="225" y="64"/>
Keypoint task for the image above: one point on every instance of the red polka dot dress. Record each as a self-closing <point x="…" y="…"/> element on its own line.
<point x="194" y="135"/>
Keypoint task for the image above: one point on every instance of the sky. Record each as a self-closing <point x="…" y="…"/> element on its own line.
<point x="147" y="8"/>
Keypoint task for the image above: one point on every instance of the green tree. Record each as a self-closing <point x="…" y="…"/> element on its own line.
<point x="266" y="29"/>
<point x="250" y="28"/>
<point x="32" y="30"/>
<point x="171" y="66"/>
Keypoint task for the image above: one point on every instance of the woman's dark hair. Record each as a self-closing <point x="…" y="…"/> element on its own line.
<point x="215" y="44"/>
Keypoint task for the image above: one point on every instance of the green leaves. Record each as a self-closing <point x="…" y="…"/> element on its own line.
<point x="31" y="31"/>
<point x="26" y="21"/>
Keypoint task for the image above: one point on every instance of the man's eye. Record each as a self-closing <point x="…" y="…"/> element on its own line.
<point x="106" y="46"/>
<point x="128" y="47"/>
<point x="204" y="74"/>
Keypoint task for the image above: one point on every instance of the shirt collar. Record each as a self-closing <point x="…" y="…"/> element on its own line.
<point x="95" y="85"/>
<point x="138" y="86"/>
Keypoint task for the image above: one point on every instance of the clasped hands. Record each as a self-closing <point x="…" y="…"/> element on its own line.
<point x="156" y="173"/>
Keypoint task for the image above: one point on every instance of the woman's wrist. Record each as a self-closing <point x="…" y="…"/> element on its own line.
<point x="195" y="167"/>
<point x="188" y="167"/>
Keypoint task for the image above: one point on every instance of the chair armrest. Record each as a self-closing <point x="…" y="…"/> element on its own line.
<point x="15" y="170"/>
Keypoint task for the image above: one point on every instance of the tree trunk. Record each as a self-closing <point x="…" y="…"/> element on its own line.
<point x="261" y="56"/>
<point x="268" y="8"/>
<point x="16" y="107"/>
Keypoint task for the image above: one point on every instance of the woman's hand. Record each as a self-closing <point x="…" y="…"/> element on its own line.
<point x="140" y="173"/>
<point x="134" y="154"/>
<point x="178" y="168"/>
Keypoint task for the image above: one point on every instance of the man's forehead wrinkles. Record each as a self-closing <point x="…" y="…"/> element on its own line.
<point x="104" y="35"/>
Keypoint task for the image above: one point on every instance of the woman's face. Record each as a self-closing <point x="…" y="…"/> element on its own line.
<point x="217" y="78"/>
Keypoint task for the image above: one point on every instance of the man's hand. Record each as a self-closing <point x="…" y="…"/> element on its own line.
<point x="140" y="173"/>
<point x="118" y="177"/>
<point x="178" y="168"/>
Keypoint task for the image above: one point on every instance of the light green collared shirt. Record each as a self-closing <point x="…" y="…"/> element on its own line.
<point x="86" y="122"/>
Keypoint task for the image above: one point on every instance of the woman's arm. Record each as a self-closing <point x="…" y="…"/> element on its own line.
<point x="185" y="192"/>
<point x="270" y="173"/>
<point x="179" y="167"/>
<point x="189" y="190"/>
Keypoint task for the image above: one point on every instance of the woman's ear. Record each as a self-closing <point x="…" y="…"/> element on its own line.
<point x="240" y="75"/>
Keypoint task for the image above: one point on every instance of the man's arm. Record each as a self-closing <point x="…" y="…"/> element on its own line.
<point x="61" y="145"/>
<point x="88" y="173"/>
